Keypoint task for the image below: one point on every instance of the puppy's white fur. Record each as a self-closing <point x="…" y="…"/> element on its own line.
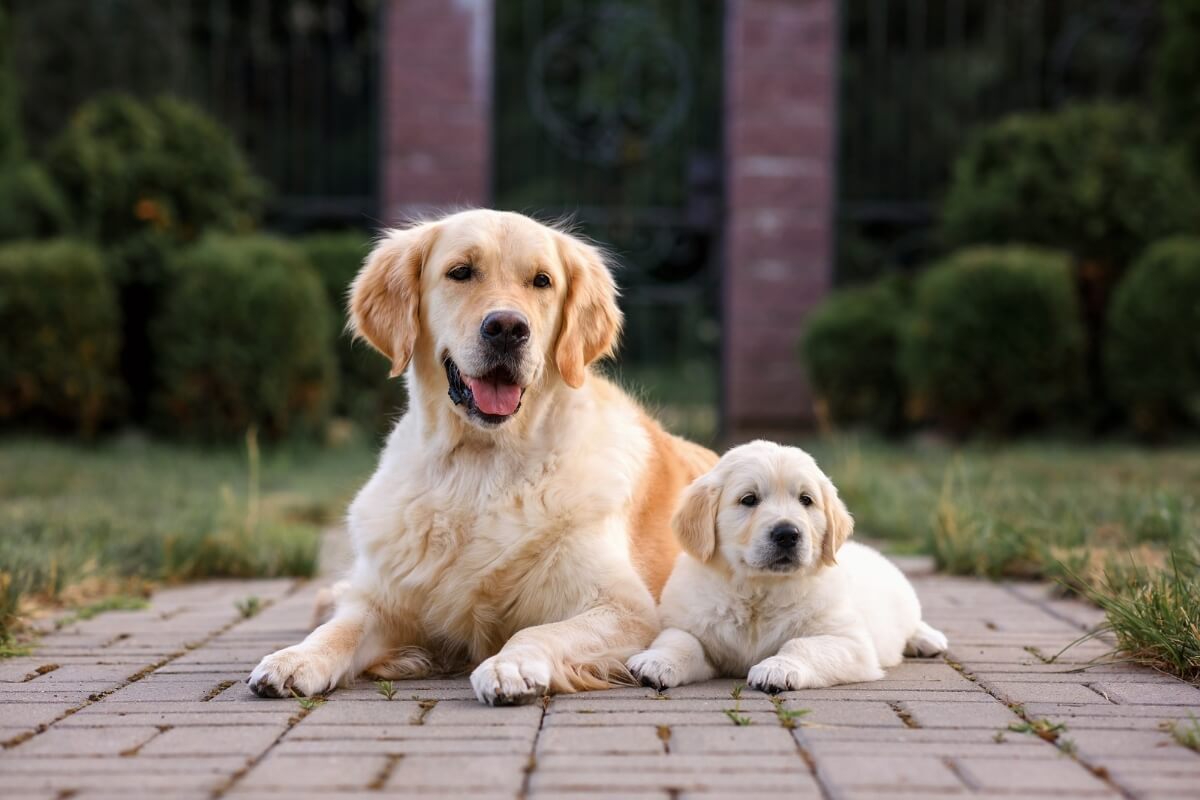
<point x="824" y="613"/>
<point x="531" y="550"/>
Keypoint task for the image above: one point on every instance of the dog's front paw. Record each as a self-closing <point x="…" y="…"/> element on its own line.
<point x="512" y="678"/>
<point x="292" y="671"/>
<point x="654" y="669"/>
<point x="778" y="674"/>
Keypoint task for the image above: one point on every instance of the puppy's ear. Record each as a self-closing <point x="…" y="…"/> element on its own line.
<point x="591" y="319"/>
<point x="838" y="522"/>
<point x="695" y="522"/>
<point x="385" y="297"/>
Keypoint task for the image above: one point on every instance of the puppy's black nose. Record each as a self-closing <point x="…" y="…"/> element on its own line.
<point x="505" y="330"/>
<point x="785" y="535"/>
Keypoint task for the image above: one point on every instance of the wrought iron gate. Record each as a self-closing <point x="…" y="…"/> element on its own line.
<point x="609" y="113"/>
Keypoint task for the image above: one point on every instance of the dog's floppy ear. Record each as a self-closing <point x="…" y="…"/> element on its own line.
<point x="695" y="522"/>
<point x="385" y="297"/>
<point x="591" y="319"/>
<point x="838" y="522"/>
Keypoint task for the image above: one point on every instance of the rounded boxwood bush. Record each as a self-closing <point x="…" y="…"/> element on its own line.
<point x="365" y="392"/>
<point x="129" y="166"/>
<point x="31" y="207"/>
<point x="850" y="350"/>
<point x="243" y="339"/>
<point x="59" y="336"/>
<point x="994" y="340"/>
<point x="1152" y="351"/>
<point x="1095" y="181"/>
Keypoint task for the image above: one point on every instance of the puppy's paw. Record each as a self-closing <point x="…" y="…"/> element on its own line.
<point x="654" y="669"/>
<point x="293" y="670"/>
<point x="926" y="642"/>
<point x="779" y="674"/>
<point x="512" y="678"/>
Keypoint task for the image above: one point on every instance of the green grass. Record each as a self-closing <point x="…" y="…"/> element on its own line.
<point x="1115" y="523"/>
<point x="86" y="523"/>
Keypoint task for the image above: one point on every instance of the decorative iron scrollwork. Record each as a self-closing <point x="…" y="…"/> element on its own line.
<point x="610" y="84"/>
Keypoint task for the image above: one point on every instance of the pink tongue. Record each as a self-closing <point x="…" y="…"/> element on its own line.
<point x="500" y="399"/>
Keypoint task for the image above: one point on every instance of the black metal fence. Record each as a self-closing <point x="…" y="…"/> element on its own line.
<point x="610" y="113"/>
<point x="296" y="80"/>
<point x="918" y="75"/>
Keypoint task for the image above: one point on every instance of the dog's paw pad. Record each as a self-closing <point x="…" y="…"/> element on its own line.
<point x="290" y="672"/>
<point x="653" y="670"/>
<point x="511" y="679"/>
<point x="774" y="675"/>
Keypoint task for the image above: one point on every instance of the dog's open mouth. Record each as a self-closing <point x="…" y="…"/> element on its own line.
<point x="492" y="397"/>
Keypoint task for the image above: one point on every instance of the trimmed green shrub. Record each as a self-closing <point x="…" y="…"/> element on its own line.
<point x="1152" y="351"/>
<point x="850" y="348"/>
<point x="243" y="339"/>
<point x="31" y="206"/>
<point x="59" y="335"/>
<point x="1176" y="77"/>
<point x="994" y="340"/>
<point x="1094" y="180"/>
<point x="164" y="166"/>
<point x="365" y="392"/>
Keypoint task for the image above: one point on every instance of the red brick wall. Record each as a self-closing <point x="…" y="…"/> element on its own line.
<point x="437" y="72"/>
<point x="780" y="116"/>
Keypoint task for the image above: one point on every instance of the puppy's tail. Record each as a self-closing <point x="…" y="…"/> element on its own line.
<point x="926" y="642"/>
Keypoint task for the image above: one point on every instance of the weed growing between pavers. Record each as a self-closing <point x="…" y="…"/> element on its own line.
<point x="1186" y="734"/>
<point x="1042" y="728"/>
<point x="308" y="703"/>
<point x="735" y="714"/>
<point x="386" y="688"/>
<point x="248" y="606"/>
<point x="120" y="602"/>
<point x="788" y="717"/>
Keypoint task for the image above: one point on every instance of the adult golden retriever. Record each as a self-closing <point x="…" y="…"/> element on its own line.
<point x="519" y="518"/>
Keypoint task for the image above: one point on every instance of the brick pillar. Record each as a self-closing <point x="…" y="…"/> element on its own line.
<point x="437" y="105"/>
<point x="780" y="117"/>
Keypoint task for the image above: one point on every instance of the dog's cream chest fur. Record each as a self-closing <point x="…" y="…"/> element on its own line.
<point x="481" y="544"/>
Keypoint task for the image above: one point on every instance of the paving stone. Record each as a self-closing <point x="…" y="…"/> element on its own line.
<point x="32" y="714"/>
<point x="755" y="739"/>
<point x="929" y="714"/>
<point x="110" y="741"/>
<point x="1027" y="692"/>
<point x="1175" y="693"/>
<point x="888" y="771"/>
<point x="458" y="773"/>
<point x="653" y="716"/>
<point x="214" y="740"/>
<point x="395" y="712"/>
<point x="1063" y="774"/>
<point x="472" y="712"/>
<point x="601" y="740"/>
<point x="315" y="772"/>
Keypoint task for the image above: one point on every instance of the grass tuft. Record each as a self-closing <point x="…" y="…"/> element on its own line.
<point x="248" y="606"/>
<point x="1186" y="734"/>
<point x="386" y="688"/>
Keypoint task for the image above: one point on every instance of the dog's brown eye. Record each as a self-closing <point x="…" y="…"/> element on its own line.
<point x="462" y="272"/>
<point x="749" y="500"/>
<point x="541" y="280"/>
<point x="806" y="500"/>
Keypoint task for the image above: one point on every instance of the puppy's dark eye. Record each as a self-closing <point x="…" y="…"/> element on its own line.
<point x="750" y="499"/>
<point x="462" y="272"/>
<point x="541" y="280"/>
<point x="806" y="500"/>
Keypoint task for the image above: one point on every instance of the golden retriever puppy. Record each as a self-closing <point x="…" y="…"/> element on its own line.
<point x="768" y="587"/>
<point x="518" y="521"/>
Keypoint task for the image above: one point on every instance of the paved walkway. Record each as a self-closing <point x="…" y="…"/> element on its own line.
<point x="151" y="703"/>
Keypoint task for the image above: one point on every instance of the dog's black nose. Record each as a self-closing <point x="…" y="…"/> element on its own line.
<point x="785" y="535"/>
<point x="505" y="330"/>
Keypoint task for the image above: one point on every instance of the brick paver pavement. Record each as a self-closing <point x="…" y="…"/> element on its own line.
<point x="152" y="703"/>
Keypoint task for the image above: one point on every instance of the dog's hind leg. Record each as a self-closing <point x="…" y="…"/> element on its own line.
<point x="926" y="642"/>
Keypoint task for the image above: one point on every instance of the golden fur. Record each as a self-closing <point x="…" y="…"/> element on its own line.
<point x="532" y="550"/>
